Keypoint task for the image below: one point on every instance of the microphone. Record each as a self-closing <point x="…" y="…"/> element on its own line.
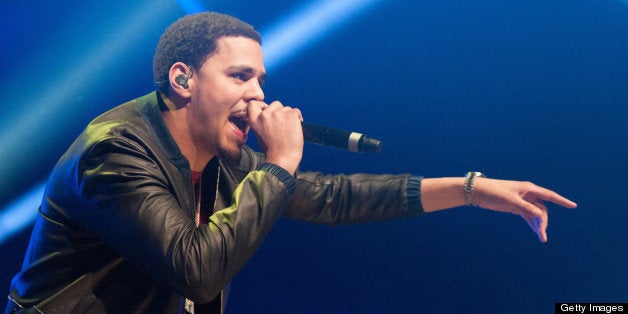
<point x="353" y="141"/>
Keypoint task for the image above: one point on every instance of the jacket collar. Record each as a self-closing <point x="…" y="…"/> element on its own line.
<point x="150" y="107"/>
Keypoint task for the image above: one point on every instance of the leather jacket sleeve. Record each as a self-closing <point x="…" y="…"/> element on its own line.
<point x="357" y="198"/>
<point x="348" y="199"/>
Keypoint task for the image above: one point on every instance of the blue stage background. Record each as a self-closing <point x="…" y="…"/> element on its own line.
<point x="525" y="90"/>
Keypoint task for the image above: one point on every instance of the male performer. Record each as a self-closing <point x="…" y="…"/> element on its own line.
<point x="159" y="203"/>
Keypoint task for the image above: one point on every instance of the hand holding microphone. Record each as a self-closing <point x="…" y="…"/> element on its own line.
<point x="278" y="131"/>
<point x="333" y="137"/>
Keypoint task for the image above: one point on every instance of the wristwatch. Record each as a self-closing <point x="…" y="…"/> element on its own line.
<point x="469" y="195"/>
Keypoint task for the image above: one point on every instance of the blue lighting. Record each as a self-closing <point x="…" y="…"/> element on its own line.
<point x="191" y="6"/>
<point x="48" y="107"/>
<point x="21" y="213"/>
<point x="307" y="25"/>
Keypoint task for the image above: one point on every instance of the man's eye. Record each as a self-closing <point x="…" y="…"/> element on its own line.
<point x="239" y="76"/>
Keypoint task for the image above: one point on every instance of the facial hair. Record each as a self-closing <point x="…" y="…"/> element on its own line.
<point x="229" y="155"/>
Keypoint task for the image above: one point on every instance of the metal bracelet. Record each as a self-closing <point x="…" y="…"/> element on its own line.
<point x="469" y="195"/>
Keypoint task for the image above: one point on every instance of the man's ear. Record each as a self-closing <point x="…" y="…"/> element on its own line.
<point x="180" y="79"/>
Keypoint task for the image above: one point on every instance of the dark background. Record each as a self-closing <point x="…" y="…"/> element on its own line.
<point x="525" y="90"/>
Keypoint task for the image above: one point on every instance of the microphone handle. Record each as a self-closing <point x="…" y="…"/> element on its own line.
<point x="352" y="141"/>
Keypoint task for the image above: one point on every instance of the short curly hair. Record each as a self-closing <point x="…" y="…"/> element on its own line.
<point x="193" y="39"/>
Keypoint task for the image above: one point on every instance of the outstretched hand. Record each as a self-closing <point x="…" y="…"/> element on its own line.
<point x="521" y="198"/>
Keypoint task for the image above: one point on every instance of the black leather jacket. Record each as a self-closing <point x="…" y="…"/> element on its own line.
<point x="117" y="232"/>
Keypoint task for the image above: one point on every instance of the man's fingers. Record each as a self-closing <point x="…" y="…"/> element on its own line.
<point x="551" y="196"/>
<point x="255" y="109"/>
<point x="542" y="222"/>
<point x="538" y="225"/>
<point x="529" y="209"/>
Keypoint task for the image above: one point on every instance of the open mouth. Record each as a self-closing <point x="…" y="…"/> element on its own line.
<point x="241" y="122"/>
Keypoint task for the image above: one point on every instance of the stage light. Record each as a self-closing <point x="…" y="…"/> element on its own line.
<point x="21" y="213"/>
<point x="307" y="25"/>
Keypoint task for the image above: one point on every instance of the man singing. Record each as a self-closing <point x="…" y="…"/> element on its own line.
<point x="159" y="203"/>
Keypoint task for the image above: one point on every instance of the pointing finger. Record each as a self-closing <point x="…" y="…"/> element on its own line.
<point x="551" y="196"/>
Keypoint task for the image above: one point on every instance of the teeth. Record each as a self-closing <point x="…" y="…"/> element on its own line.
<point x="239" y="113"/>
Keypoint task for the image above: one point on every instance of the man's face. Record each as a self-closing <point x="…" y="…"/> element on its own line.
<point x="225" y="84"/>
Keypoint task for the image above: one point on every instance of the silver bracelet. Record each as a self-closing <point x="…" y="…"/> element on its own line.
<point x="469" y="195"/>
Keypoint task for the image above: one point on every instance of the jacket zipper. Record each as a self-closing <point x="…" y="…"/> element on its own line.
<point x="197" y="217"/>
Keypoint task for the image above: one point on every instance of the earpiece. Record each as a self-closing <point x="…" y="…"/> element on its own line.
<point x="182" y="80"/>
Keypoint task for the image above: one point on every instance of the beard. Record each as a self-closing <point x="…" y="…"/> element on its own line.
<point x="229" y="155"/>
